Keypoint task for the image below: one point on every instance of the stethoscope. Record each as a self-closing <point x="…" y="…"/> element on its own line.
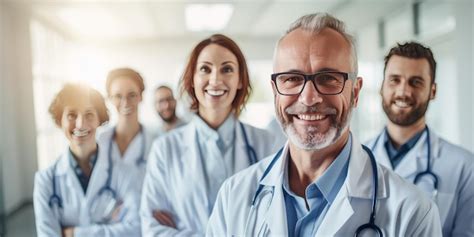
<point x="368" y="226"/>
<point x="106" y="195"/>
<point x="428" y="170"/>
<point x="141" y="158"/>
<point x="251" y="154"/>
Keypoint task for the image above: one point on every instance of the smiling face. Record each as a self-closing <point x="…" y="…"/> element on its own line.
<point x="79" y="122"/>
<point x="165" y="104"/>
<point x="216" y="79"/>
<point x="407" y="90"/>
<point x="125" y="96"/>
<point x="313" y="121"/>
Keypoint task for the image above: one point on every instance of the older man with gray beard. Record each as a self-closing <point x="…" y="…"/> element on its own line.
<point x="323" y="182"/>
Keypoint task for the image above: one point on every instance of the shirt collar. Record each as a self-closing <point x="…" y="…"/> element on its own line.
<point x="75" y="166"/>
<point x="332" y="179"/>
<point x="224" y="132"/>
<point x="393" y="152"/>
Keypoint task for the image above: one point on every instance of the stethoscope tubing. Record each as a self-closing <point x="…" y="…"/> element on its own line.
<point x="370" y="225"/>
<point x="428" y="171"/>
<point x="55" y="198"/>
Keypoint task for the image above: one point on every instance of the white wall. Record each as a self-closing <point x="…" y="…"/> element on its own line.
<point x="464" y="50"/>
<point x="18" y="138"/>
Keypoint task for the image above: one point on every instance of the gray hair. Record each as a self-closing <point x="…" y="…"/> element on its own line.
<point x="316" y="22"/>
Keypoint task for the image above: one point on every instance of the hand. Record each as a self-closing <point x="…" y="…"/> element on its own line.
<point x="164" y="218"/>
<point x="117" y="212"/>
<point x="68" y="232"/>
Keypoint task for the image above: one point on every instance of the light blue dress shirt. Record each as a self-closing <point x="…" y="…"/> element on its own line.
<point x="397" y="155"/>
<point x="319" y="195"/>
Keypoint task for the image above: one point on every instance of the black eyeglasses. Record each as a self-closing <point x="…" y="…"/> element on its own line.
<point x="326" y="83"/>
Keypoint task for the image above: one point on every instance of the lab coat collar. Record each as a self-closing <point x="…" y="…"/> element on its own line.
<point x="358" y="184"/>
<point x="416" y="159"/>
<point x="379" y="151"/>
<point x="274" y="177"/>
<point x="224" y="132"/>
<point x="435" y="147"/>
<point x="98" y="176"/>
<point x="275" y="218"/>
<point x="359" y="175"/>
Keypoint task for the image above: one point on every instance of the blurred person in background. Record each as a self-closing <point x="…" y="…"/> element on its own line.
<point x="84" y="193"/>
<point x="128" y="141"/>
<point x="165" y="105"/>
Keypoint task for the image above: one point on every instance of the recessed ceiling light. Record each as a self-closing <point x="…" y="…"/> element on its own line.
<point x="208" y="17"/>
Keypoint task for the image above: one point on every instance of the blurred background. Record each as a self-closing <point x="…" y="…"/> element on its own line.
<point x="46" y="43"/>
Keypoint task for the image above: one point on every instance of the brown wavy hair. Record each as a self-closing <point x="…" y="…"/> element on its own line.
<point x="187" y="79"/>
<point x="125" y="72"/>
<point x="73" y="93"/>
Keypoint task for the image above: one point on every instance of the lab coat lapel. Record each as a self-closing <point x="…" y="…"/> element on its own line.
<point x="99" y="175"/>
<point x="415" y="160"/>
<point x="275" y="218"/>
<point x="380" y="152"/>
<point x="68" y="174"/>
<point x="338" y="214"/>
<point x="275" y="223"/>
<point x="242" y="160"/>
<point x="358" y="184"/>
<point x="435" y="147"/>
<point x="192" y="155"/>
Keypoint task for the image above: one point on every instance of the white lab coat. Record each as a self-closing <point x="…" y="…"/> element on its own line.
<point x="454" y="167"/>
<point x="175" y="181"/>
<point x="402" y="210"/>
<point x="76" y="205"/>
<point x="132" y="153"/>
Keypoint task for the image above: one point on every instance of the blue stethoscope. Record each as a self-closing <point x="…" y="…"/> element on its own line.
<point x="368" y="226"/>
<point x="428" y="171"/>
<point x="251" y="154"/>
<point x="141" y="158"/>
<point x="106" y="196"/>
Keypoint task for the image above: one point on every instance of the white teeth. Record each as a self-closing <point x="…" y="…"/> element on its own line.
<point x="126" y="110"/>
<point x="80" y="133"/>
<point x="401" y="104"/>
<point x="215" y="92"/>
<point x="312" y="117"/>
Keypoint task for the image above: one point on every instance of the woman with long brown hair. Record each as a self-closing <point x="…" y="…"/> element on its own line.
<point x="187" y="166"/>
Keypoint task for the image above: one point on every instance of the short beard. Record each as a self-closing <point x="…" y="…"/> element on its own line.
<point x="407" y="119"/>
<point x="314" y="140"/>
<point x="170" y="119"/>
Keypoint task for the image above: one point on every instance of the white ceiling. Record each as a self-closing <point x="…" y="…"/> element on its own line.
<point x="132" y="20"/>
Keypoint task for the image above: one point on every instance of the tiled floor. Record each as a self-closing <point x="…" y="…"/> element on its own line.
<point x="22" y="224"/>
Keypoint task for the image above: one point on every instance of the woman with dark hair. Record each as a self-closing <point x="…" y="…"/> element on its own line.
<point x="83" y="193"/>
<point x="187" y="166"/>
